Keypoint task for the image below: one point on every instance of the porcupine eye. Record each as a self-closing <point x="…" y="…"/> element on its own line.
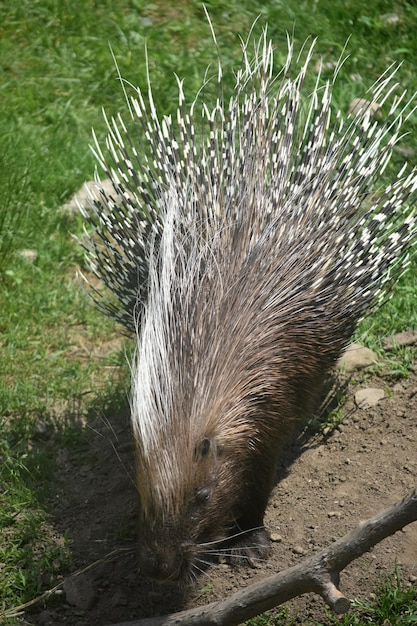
<point x="202" y="496"/>
<point x="201" y="452"/>
<point x="202" y="449"/>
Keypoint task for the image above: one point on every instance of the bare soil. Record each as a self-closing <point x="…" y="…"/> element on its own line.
<point x="326" y="485"/>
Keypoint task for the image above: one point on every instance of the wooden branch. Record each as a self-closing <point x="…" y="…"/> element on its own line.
<point x="318" y="574"/>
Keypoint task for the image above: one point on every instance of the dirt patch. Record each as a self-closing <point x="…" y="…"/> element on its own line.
<point x="326" y="486"/>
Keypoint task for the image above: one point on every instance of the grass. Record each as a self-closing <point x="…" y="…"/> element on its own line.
<point x="56" y="73"/>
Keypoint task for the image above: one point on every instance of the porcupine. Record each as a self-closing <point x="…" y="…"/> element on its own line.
<point x="242" y="244"/>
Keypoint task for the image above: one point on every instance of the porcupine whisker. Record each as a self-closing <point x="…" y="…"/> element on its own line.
<point x="202" y="570"/>
<point x="230" y="537"/>
<point x="235" y="553"/>
<point x="195" y="570"/>
<point x="231" y="549"/>
<point x="244" y="240"/>
<point x="214" y="549"/>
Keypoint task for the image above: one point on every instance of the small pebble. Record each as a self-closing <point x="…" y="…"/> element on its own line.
<point x="366" y="398"/>
<point x="28" y="255"/>
<point x="80" y="592"/>
<point x="355" y="358"/>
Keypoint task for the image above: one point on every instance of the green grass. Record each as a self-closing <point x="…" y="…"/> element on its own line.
<point x="56" y="72"/>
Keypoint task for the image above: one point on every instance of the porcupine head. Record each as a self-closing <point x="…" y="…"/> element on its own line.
<point x="260" y="248"/>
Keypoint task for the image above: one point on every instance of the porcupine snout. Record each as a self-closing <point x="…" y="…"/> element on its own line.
<point x="156" y="567"/>
<point x="167" y="562"/>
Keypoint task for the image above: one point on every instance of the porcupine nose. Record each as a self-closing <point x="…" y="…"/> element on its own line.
<point x="162" y="567"/>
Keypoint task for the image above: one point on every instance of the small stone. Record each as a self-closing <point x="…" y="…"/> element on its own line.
<point x="368" y="397"/>
<point x="360" y="106"/>
<point x="393" y="19"/>
<point x="406" y="151"/>
<point x="79" y="592"/>
<point x="83" y="196"/>
<point x="276" y="537"/>
<point x="355" y="358"/>
<point x="28" y="255"/>
<point x="406" y="338"/>
<point x="146" y="21"/>
<point x="299" y="550"/>
<point x="42" y="431"/>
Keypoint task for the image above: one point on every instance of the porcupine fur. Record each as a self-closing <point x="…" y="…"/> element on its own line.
<point x="242" y="251"/>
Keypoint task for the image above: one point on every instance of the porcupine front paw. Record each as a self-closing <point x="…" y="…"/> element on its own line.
<point x="251" y="547"/>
